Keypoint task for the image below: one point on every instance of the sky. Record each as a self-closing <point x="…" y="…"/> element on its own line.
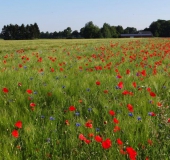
<point x="57" y="15"/>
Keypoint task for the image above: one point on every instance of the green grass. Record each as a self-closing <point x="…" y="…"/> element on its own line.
<point x="67" y="75"/>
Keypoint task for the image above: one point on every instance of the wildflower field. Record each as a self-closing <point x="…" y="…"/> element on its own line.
<point x="104" y="99"/>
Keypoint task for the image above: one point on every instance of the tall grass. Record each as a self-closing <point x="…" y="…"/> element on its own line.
<point x="87" y="76"/>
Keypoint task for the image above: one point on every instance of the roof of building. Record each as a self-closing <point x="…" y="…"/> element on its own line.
<point x="144" y="32"/>
<point x="135" y="35"/>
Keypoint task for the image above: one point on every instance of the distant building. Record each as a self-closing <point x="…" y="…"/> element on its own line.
<point x="140" y="34"/>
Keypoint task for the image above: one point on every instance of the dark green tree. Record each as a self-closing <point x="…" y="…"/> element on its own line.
<point x="90" y="30"/>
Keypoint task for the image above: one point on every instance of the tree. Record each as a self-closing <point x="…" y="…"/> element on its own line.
<point x="130" y="30"/>
<point x="75" y="34"/>
<point x="67" y="32"/>
<point x="119" y="30"/>
<point x="105" y="31"/>
<point x="90" y="30"/>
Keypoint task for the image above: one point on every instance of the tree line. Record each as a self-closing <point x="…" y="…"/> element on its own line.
<point x="16" y="32"/>
<point x="90" y="31"/>
<point x="159" y="28"/>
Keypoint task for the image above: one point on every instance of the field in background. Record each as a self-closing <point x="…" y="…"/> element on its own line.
<point x="85" y="99"/>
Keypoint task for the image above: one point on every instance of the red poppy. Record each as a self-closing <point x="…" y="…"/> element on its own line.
<point x="148" y="89"/>
<point x="67" y="122"/>
<point x="15" y="133"/>
<point x="81" y="137"/>
<point x="127" y="71"/>
<point x="143" y="73"/>
<point x="130" y="107"/>
<point x="119" y="76"/>
<point x="152" y="114"/>
<point x="115" y="120"/>
<point x="125" y="92"/>
<point x="91" y="135"/>
<point x="112" y="113"/>
<point x="98" y="83"/>
<point x="89" y="124"/>
<point x="132" y="153"/>
<point x="107" y="144"/>
<point x="72" y="108"/>
<point x="168" y="120"/>
<point x="106" y="91"/>
<point x="32" y="104"/>
<point x="98" y="139"/>
<point x="87" y="141"/>
<point x="119" y="142"/>
<point x="152" y="94"/>
<point x="150" y="142"/>
<point x="29" y="91"/>
<point x="134" y="84"/>
<point x="5" y="90"/>
<point x="116" y="129"/>
<point x="120" y="85"/>
<point x="18" y="124"/>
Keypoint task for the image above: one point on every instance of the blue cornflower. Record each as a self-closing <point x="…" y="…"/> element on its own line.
<point x="97" y="129"/>
<point x="89" y="109"/>
<point x="63" y="87"/>
<point x="77" y="113"/>
<point x="42" y="116"/>
<point x="78" y="125"/>
<point x="88" y="90"/>
<point x="130" y="114"/>
<point x="52" y="118"/>
<point x="139" y="118"/>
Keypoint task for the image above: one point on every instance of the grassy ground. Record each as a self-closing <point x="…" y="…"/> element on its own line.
<point x="85" y="99"/>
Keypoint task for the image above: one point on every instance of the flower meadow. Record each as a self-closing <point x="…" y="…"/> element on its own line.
<point x="85" y="99"/>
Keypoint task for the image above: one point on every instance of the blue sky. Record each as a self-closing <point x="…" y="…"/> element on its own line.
<point x="57" y="15"/>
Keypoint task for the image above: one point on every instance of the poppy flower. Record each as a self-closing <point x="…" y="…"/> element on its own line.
<point x="148" y="89"/>
<point x="32" y="104"/>
<point x="150" y="142"/>
<point x="115" y="120"/>
<point x="67" y="122"/>
<point x="112" y="113"/>
<point x="125" y="92"/>
<point x="143" y="73"/>
<point x="119" y="142"/>
<point x="130" y="107"/>
<point x="89" y="124"/>
<point x="120" y="85"/>
<point x="81" y="137"/>
<point x="107" y="144"/>
<point x="72" y="108"/>
<point x="15" y="133"/>
<point x="98" y="83"/>
<point x="132" y="153"/>
<point x="152" y="94"/>
<point x="5" y="90"/>
<point x="18" y="124"/>
<point x="119" y="76"/>
<point x="134" y="84"/>
<point x="106" y="91"/>
<point x="116" y="129"/>
<point x="87" y="141"/>
<point x="98" y="139"/>
<point x="168" y="120"/>
<point x="127" y="71"/>
<point x="29" y="91"/>
<point x="91" y="135"/>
